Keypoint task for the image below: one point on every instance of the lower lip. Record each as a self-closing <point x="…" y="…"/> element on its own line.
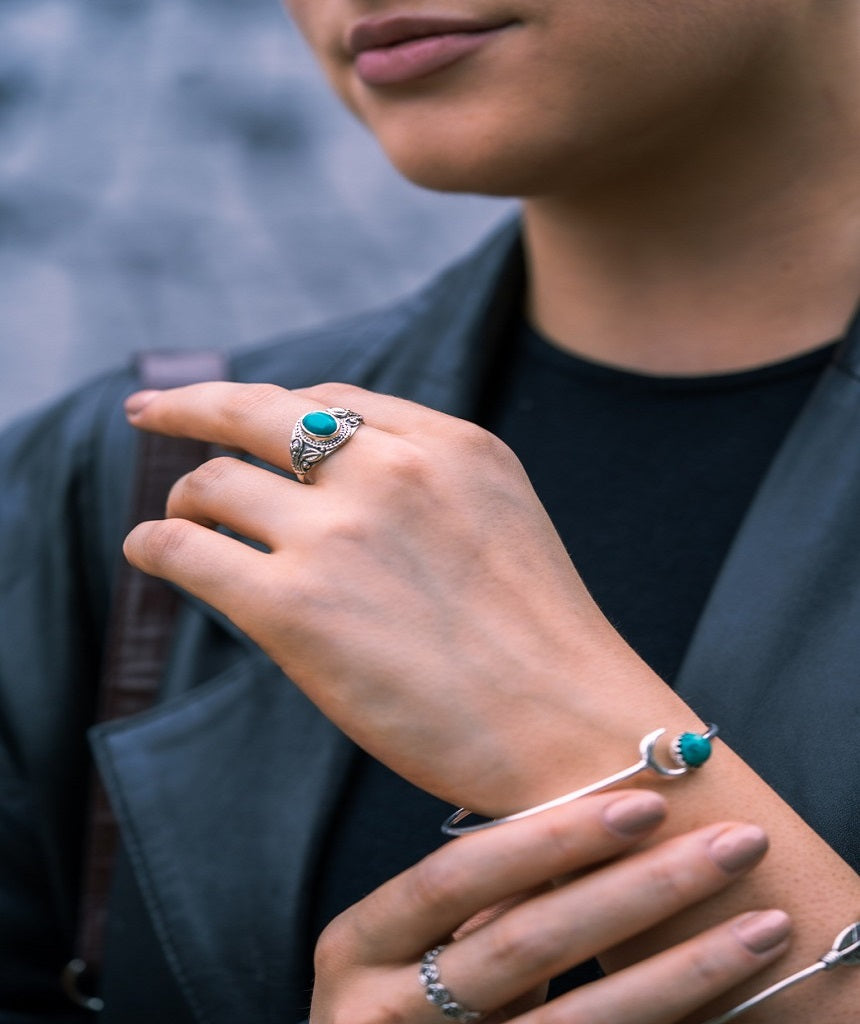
<point x="393" y="65"/>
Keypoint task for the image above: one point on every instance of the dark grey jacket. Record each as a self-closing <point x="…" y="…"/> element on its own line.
<point x="225" y="790"/>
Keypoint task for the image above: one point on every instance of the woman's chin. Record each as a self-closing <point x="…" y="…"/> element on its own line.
<point x="454" y="169"/>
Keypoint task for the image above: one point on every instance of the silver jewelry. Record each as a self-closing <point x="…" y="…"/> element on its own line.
<point x="690" y="750"/>
<point x="317" y="434"/>
<point x="845" y="950"/>
<point x="436" y="993"/>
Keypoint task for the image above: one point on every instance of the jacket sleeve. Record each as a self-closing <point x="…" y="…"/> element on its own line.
<point x="63" y="492"/>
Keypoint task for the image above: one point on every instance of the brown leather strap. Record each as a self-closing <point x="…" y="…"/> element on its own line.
<point x="138" y="639"/>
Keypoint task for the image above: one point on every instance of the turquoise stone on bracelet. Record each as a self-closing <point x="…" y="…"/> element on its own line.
<point x="319" y="424"/>
<point x="690" y="750"/>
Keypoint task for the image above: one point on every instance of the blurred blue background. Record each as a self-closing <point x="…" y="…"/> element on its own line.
<point x="174" y="173"/>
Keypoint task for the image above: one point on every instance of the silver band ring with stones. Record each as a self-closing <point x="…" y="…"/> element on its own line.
<point x="317" y="434"/>
<point x="436" y="993"/>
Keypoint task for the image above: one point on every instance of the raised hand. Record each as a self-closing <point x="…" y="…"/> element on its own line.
<point x="417" y="591"/>
<point x="367" y="960"/>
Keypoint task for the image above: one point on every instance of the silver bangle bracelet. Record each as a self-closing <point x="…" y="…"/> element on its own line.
<point x="689" y="751"/>
<point x="845" y="950"/>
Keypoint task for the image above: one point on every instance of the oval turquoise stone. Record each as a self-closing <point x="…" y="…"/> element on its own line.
<point x="320" y="424"/>
<point x="695" y="749"/>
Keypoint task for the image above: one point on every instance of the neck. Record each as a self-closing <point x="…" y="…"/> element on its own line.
<point x="735" y="251"/>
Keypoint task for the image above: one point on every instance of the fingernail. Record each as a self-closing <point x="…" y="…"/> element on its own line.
<point x="762" y="930"/>
<point x="738" y="847"/>
<point x="634" y="815"/>
<point x="135" y="403"/>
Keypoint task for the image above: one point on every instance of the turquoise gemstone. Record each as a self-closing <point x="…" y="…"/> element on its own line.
<point x="320" y="424"/>
<point x="695" y="749"/>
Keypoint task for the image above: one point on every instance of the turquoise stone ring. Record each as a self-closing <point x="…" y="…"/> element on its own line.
<point x="316" y="435"/>
<point x="319" y="424"/>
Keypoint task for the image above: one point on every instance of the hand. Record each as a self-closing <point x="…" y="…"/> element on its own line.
<point x="367" y="959"/>
<point x="417" y="591"/>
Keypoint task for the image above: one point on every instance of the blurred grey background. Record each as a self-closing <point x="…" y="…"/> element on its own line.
<point x="174" y="173"/>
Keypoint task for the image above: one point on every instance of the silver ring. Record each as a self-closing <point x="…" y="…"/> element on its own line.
<point x="436" y="993"/>
<point x="317" y="434"/>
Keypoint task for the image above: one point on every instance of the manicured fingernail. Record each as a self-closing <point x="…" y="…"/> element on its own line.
<point x="761" y="931"/>
<point x="738" y="847"/>
<point x="634" y="815"/>
<point x="136" y="402"/>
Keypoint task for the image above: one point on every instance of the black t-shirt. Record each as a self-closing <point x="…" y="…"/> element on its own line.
<point x="646" y="479"/>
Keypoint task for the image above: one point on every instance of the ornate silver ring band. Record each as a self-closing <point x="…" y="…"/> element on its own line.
<point x="437" y="994"/>
<point x="317" y="435"/>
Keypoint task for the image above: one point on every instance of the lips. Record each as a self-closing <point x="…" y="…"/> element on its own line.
<point x="397" y="49"/>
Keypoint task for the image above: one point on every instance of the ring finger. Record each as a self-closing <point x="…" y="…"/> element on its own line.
<point x="667" y="987"/>
<point x="546" y="935"/>
<point x="254" y="418"/>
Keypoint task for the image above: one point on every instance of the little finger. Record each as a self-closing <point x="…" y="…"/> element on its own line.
<point x="666" y="988"/>
<point x="218" y="569"/>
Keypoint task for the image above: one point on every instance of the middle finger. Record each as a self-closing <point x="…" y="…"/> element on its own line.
<point x="245" y="498"/>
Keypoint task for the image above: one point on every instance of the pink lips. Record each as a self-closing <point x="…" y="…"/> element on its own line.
<point x="393" y="50"/>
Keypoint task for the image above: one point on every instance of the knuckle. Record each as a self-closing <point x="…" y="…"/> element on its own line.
<point x="435" y="883"/>
<point x="199" y="482"/>
<point x="529" y="944"/>
<point x="335" y="394"/>
<point x="405" y="465"/>
<point x="337" y="535"/>
<point x="707" y="970"/>
<point x="387" y="1014"/>
<point x="559" y="840"/>
<point x="671" y="883"/>
<point x="247" y="402"/>
<point x="334" y="945"/>
<point x="475" y="441"/>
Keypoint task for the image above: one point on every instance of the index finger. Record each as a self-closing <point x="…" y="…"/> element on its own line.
<point x="433" y="898"/>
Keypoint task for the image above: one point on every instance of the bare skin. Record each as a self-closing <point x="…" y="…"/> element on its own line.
<point x="678" y="218"/>
<point x="740" y="246"/>
<point x="690" y="191"/>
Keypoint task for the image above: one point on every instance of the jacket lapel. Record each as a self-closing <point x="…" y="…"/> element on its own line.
<point x="775" y="659"/>
<point x="222" y="796"/>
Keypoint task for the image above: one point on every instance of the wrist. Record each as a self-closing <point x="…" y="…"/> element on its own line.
<point x="576" y="729"/>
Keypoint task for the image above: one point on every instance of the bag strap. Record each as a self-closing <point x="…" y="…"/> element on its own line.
<point x="139" y="632"/>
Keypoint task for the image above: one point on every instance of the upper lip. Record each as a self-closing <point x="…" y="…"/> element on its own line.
<point x="371" y="33"/>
